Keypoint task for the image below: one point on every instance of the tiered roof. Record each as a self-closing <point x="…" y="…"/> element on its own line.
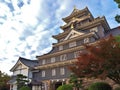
<point x="77" y="16"/>
<point x="76" y="13"/>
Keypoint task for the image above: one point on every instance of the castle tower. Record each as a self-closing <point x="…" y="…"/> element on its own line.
<point x="80" y="28"/>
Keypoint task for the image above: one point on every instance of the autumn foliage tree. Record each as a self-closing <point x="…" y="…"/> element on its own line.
<point x="101" y="59"/>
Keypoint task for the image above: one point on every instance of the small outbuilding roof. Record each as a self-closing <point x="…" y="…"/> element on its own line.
<point x="27" y="62"/>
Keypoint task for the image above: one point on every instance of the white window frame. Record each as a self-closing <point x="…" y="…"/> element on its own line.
<point x="72" y="44"/>
<point x="63" y="57"/>
<point x="43" y="61"/>
<point x="61" y="40"/>
<point x="86" y="40"/>
<point x="43" y="73"/>
<point x="60" y="47"/>
<point x="95" y="29"/>
<point x="77" y="54"/>
<point x="53" y="72"/>
<point x="62" y="71"/>
<point x="52" y="59"/>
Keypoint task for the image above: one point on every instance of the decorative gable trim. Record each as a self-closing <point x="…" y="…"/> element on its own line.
<point x="18" y="66"/>
<point x="73" y="34"/>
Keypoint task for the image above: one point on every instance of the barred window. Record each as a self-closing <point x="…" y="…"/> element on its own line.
<point x="86" y="40"/>
<point x="53" y="72"/>
<point x="43" y="62"/>
<point x="61" y="47"/>
<point x="76" y="54"/>
<point x="63" y="57"/>
<point x="72" y="44"/>
<point x="43" y="73"/>
<point x="52" y="59"/>
<point x="62" y="71"/>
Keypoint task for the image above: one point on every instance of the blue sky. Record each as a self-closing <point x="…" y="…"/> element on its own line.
<point x="27" y="26"/>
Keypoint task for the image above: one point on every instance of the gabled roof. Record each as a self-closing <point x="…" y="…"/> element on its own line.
<point x="27" y="62"/>
<point x="73" y="34"/>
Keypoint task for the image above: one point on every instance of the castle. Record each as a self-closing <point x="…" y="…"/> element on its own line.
<point x="51" y="69"/>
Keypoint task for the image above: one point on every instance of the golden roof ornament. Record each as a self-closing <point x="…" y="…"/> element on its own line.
<point x="74" y="6"/>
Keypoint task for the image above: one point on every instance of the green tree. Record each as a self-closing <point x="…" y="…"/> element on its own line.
<point x="21" y="81"/>
<point x="65" y="87"/>
<point x="117" y="38"/>
<point x="117" y="17"/>
<point x="75" y="81"/>
<point x="25" y="88"/>
<point x="4" y="78"/>
<point x="100" y="86"/>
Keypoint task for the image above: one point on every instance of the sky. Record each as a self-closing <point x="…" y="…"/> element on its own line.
<point x="27" y="26"/>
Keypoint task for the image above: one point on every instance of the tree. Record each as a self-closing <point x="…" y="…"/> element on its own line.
<point x="65" y="87"/>
<point x="101" y="59"/>
<point x="100" y="86"/>
<point x="75" y="82"/>
<point x="21" y="81"/>
<point x="4" y="78"/>
<point x="117" y="17"/>
<point x="25" y="88"/>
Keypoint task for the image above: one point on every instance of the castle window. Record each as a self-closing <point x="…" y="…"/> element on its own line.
<point x="60" y="47"/>
<point x="61" y="40"/>
<point x="72" y="44"/>
<point x="86" y="40"/>
<point x="63" y="57"/>
<point x="76" y="54"/>
<point x="53" y="72"/>
<point x="43" y="73"/>
<point x="62" y="71"/>
<point x="95" y="29"/>
<point x="43" y="62"/>
<point x="52" y="59"/>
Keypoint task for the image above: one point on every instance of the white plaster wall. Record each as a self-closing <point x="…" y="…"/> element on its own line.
<point x="24" y="70"/>
<point x="16" y="72"/>
<point x="101" y="31"/>
<point x="14" y="86"/>
<point x="21" y="69"/>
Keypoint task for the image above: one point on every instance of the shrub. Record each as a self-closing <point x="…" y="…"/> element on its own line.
<point x="65" y="87"/>
<point x="25" y="88"/>
<point x="100" y="86"/>
<point x="117" y="88"/>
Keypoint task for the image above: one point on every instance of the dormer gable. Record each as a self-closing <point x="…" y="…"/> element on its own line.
<point x="27" y="63"/>
<point x="73" y="34"/>
<point x="19" y="65"/>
